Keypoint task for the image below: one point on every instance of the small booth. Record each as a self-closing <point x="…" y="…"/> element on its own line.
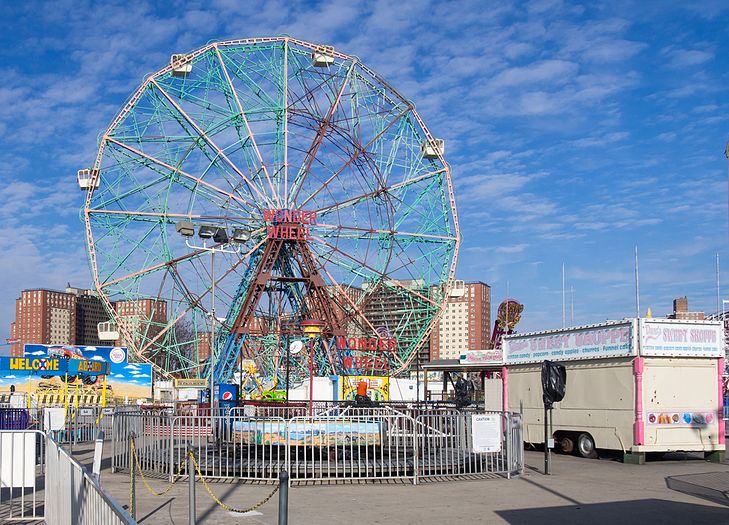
<point x="483" y="365"/>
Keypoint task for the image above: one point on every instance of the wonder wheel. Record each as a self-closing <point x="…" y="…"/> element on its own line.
<point x="254" y="184"/>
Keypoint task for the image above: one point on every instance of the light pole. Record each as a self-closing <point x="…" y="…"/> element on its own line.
<point x="220" y="237"/>
<point x="312" y="329"/>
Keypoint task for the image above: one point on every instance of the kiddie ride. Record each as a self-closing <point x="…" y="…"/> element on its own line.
<point x="257" y="389"/>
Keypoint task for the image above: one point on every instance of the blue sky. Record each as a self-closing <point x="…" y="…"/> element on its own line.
<point x="574" y="131"/>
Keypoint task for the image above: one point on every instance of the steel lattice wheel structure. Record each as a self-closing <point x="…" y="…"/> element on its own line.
<point x="238" y="135"/>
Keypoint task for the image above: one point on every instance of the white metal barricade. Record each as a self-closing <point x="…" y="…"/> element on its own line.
<point x="22" y="454"/>
<point x="73" y="496"/>
<point x="446" y="446"/>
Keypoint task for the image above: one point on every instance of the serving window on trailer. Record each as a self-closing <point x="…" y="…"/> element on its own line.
<point x="648" y="385"/>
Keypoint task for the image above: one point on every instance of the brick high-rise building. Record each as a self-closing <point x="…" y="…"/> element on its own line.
<point x="394" y="308"/>
<point x="140" y="321"/>
<point x="681" y="310"/>
<point x="90" y="311"/>
<point x="43" y="317"/>
<point x="465" y="323"/>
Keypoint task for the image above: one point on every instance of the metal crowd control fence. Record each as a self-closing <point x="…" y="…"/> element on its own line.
<point x="75" y="496"/>
<point x="151" y="435"/>
<point x="22" y="454"/>
<point x="356" y="444"/>
<point x="84" y="423"/>
<point x="14" y="419"/>
<point x="342" y="443"/>
<point x="445" y="443"/>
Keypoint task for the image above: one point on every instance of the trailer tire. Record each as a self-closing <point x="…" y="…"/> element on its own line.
<point x="567" y="443"/>
<point x="586" y="446"/>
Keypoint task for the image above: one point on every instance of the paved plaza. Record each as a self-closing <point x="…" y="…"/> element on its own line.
<point x="580" y="491"/>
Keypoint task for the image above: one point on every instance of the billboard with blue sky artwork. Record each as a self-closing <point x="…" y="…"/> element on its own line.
<point x="126" y="380"/>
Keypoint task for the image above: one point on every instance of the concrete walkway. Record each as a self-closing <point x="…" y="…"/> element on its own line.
<point x="580" y="491"/>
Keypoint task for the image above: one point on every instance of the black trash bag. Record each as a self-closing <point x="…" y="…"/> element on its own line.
<point x="554" y="382"/>
<point x="463" y="390"/>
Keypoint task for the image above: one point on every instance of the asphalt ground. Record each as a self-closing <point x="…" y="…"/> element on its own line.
<point x="579" y="491"/>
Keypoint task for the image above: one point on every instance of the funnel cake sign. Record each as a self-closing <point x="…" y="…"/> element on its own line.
<point x="289" y="225"/>
<point x="608" y="340"/>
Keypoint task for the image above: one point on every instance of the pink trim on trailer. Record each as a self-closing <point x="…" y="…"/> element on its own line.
<point x="504" y="389"/>
<point x="639" y="425"/>
<point x="720" y="413"/>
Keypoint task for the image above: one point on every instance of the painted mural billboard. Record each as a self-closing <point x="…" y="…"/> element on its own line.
<point x="125" y="380"/>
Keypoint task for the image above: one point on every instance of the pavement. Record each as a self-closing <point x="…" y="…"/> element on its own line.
<point x="579" y="491"/>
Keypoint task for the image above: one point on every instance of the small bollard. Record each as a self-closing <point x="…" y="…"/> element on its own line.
<point x="191" y="487"/>
<point x="283" y="498"/>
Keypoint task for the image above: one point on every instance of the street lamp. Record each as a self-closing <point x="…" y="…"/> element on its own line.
<point x="220" y="236"/>
<point x="312" y="329"/>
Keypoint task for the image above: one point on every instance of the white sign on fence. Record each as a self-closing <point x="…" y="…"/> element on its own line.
<point x="17" y="459"/>
<point x="85" y="411"/>
<point x="486" y="432"/>
<point x="54" y="419"/>
<point x="108" y="411"/>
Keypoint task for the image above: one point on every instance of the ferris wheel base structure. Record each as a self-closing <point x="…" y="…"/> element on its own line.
<point x="317" y="192"/>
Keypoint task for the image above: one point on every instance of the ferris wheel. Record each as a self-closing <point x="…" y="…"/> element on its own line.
<point x="254" y="185"/>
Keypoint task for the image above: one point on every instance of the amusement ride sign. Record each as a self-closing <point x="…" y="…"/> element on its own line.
<point x="357" y="353"/>
<point x="291" y="225"/>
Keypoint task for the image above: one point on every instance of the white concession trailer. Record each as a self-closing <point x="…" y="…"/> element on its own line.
<point x="636" y="385"/>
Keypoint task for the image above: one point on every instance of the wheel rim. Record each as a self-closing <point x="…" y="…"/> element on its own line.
<point x="567" y="444"/>
<point x="586" y="445"/>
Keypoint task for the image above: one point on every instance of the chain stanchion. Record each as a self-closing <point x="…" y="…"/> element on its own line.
<point x="193" y="469"/>
<point x="192" y="506"/>
<point x="283" y="498"/>
<point x="132" y="489"/>
<point x="220" y="503"/>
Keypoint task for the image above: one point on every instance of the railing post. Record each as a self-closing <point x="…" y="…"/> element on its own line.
<point x="508" y="443"/>
<point x="416" y="463"/>
<point x="283" y="498"/>
<point x="172" y="449"/>
<point x="191" y="487"/>
<point x="132" y="475"/>
<point x="98" y="453"/>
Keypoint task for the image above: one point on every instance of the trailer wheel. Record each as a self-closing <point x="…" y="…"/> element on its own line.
<point x="567" y="444"/>
<point x="586" y="446"/>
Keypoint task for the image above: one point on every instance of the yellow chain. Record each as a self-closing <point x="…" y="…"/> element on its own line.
<point x="223" y="505"/>
<point x="139" y="468"/>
